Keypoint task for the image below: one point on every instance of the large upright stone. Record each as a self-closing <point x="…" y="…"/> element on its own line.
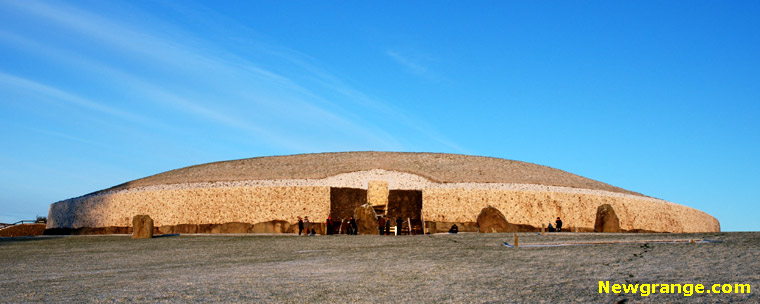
<point x="377" y="193"/>
<point x="366" y="219"/>
<point x="606" y="219"/>
<point x="491" y="220"/>
<point x="142" y="227"/>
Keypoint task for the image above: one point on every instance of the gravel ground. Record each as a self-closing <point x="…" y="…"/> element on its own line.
<point x="462" y="268"/>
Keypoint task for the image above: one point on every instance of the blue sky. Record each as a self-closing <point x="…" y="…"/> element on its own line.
<point x="662" y="98"/>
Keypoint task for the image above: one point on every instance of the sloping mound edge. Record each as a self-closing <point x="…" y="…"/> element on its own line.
<point x="437" y="167"/>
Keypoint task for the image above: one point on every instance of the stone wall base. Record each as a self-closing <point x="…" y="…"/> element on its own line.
<point x="441" y="227"/>
<point x="232" y="227"/>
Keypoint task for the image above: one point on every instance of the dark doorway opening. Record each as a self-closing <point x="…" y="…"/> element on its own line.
<point x="406" y="204"/>
<point x="343" y="202"/>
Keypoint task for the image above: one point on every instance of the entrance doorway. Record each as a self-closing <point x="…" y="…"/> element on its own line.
<point x="406" y="204"/>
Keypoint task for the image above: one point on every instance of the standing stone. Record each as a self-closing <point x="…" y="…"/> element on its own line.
<point x="491" y="219"/>
<point x="366" y="219"/>
<point x="142" y="227"/>
<point x="377" y="193"/>
<point x="606" y="219"/>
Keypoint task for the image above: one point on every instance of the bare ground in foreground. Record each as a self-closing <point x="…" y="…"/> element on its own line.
<point x="460" y="268"/>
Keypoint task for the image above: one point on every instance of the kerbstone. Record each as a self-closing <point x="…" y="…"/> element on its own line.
<point x="366" y="219"/>
<point x="142" y="227"/>
<point x="606" y="219"/>
<point x="492" y="220"/>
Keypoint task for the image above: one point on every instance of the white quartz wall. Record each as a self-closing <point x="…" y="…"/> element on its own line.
<point x="267" y="200"/>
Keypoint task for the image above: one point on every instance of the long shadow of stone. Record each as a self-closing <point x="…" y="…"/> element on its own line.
<point x="165" y="235"/>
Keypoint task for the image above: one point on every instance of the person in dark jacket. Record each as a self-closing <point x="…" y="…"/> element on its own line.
<point x="300" y="225"/>
<point x="454" y="229"/>
<point x="329" y="224"/>
<point x="387" y="226"/>
<point x="352" y="226"/>
<point x="381" y="224"/>
<point x="559" y="224"/>
<point x="399" y="221"/>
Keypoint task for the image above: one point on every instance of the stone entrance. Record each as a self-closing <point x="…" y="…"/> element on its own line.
<point x="343" y="202"/>
<point x="405" y="204"/>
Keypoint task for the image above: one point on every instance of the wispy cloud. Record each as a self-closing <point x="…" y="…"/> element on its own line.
<point x="221" y="86"/>
<point x="60" y="95"/>
<point x="335" y="84"/>
<point x="147" y="90"/>
<point x="410" y="65"/>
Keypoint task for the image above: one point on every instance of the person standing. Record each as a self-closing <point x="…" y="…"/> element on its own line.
<point x="399" y="221"/>
<point x="329" y="225"/>
<point x="387" y="226"/>
<point x="352" y="226"/>
<point x="381" y="224"/>
<point x="306" y="224"/>
<point x="300" y="225"/>
<point x="559" y="224"/>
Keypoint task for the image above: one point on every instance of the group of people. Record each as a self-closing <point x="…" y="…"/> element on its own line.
<point x="558" y="222"/>
<point x="304" y="226"/>
<point x="346" y="226"/>
<point x="384" y="225"/>
<point x="349" y="226"/>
